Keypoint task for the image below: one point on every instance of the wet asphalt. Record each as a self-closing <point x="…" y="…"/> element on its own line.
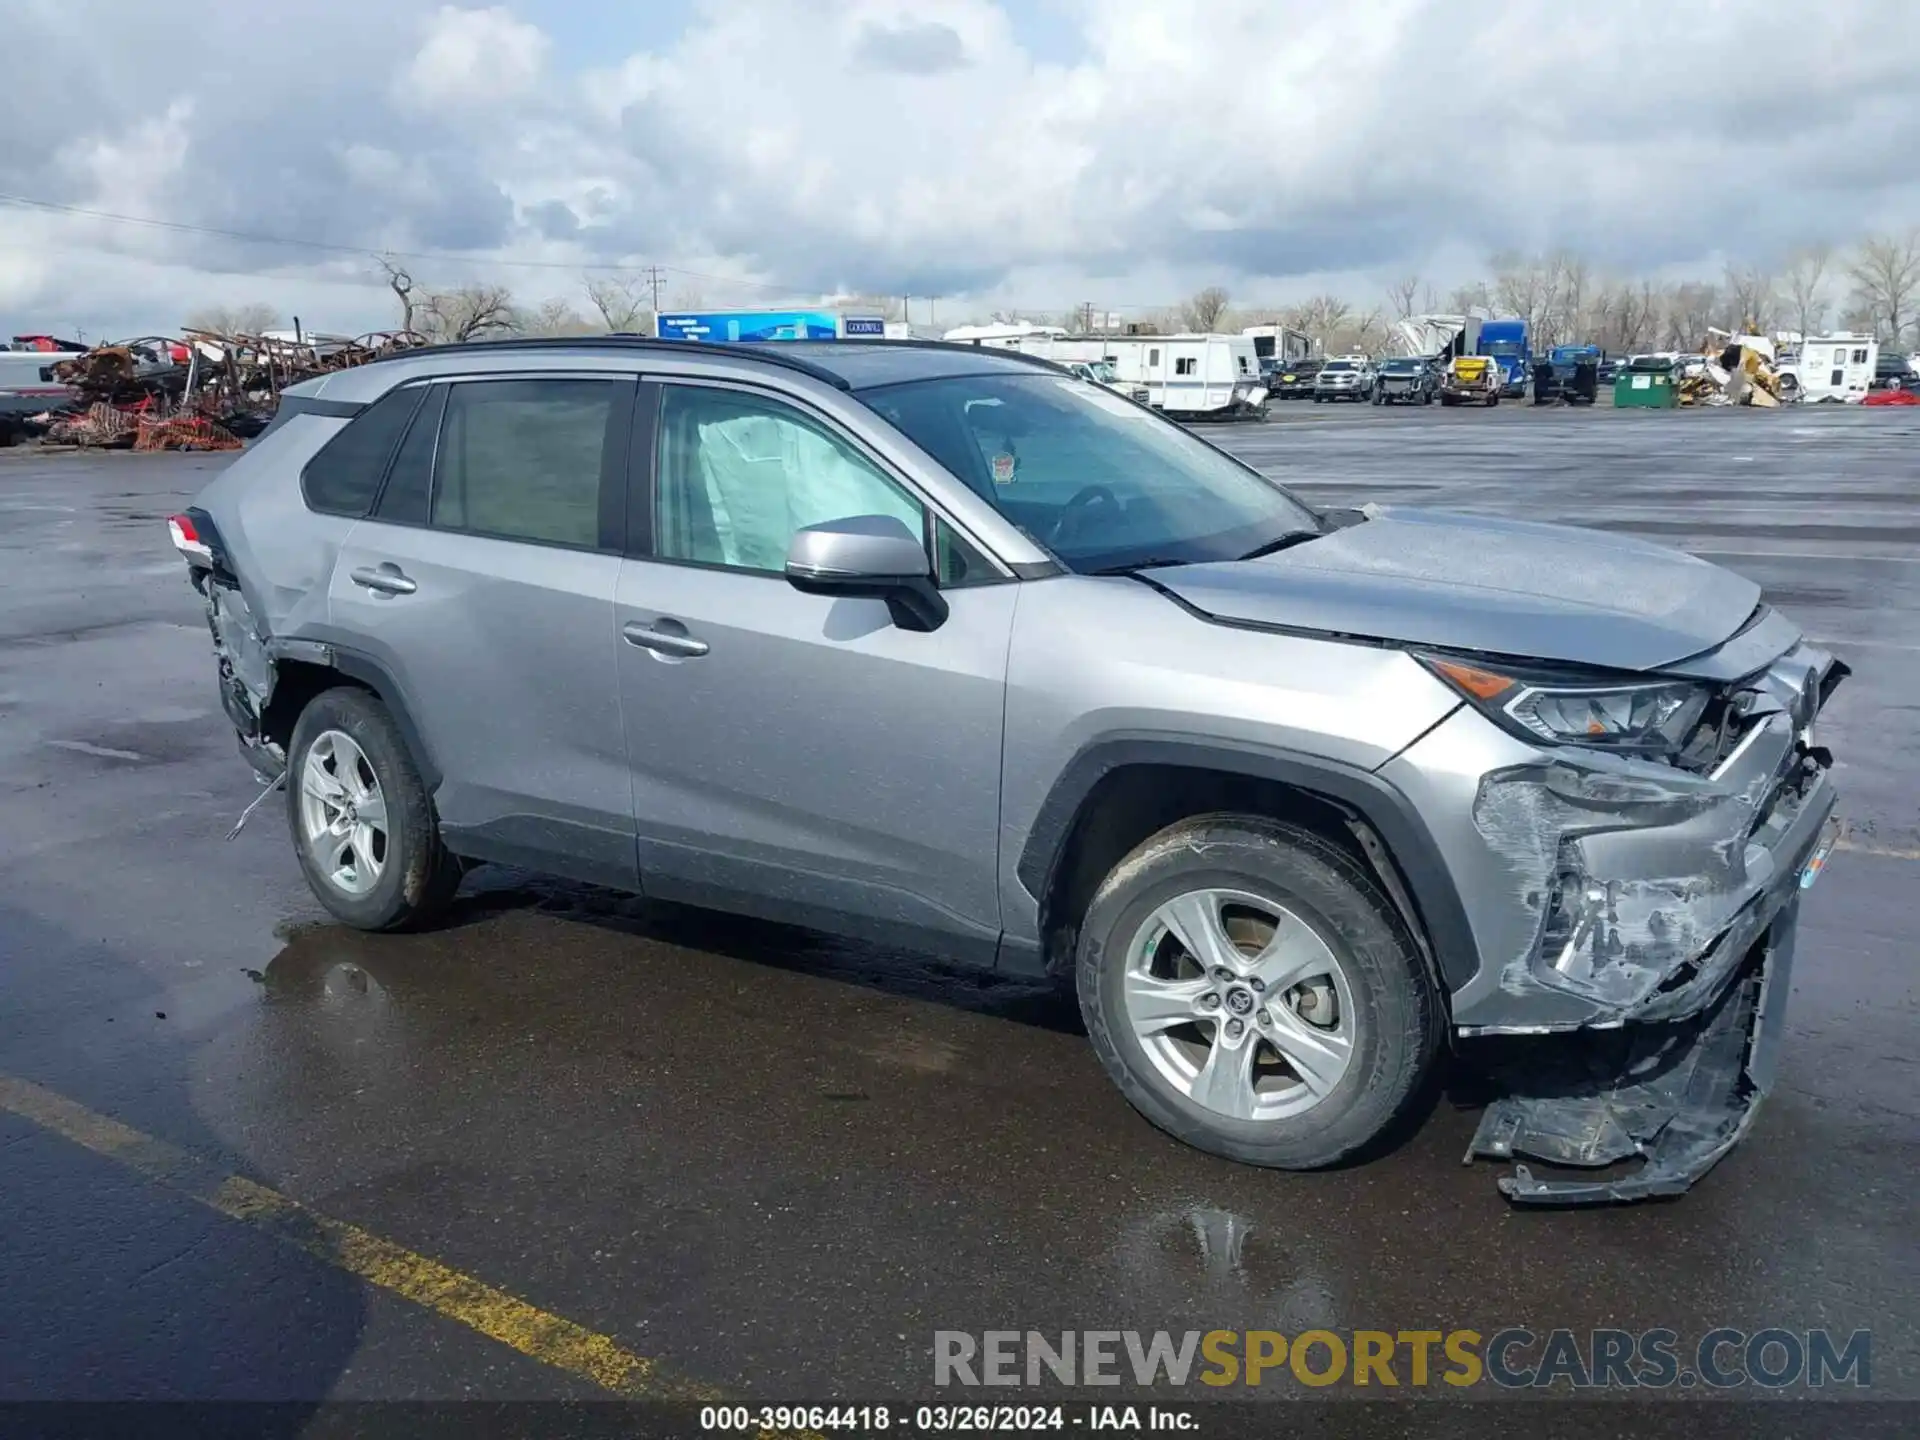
<point x="780" y="1163"/>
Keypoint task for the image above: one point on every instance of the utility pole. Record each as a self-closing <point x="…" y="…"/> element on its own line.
<point x="653" y="280"/>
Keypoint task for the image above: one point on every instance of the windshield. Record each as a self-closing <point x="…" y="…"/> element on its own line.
<point x="1338" y="365"/>
<point x="1401" y="367"/>
<point x="1104" y="371"/>
<point x="1097" y="480"/>
<point x="1505" y="348"/>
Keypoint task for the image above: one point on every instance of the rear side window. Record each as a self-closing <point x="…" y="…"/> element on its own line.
<point x="526" y="459"/>
<point x="345" y="476"/>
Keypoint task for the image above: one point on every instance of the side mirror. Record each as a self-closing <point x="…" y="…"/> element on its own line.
<point x="875" y="556"/>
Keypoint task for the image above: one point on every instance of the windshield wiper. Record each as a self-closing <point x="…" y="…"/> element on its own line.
<point x="1151" y="562"/>
<point x="1279" y="543"/>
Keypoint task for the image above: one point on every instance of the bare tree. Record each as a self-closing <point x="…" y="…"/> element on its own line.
<point x="1402" y="294"/>
<point x="1751" y="296"/>
<point x="249" y="319"/>
<point x="401" y="283"/>
<point x="1804" y="286"/>
<point x="471" y="312"/>
<point x="621" y="303"/>
<point x="1886" y="280"/>
<point x="1322" y="317"/>
<point x="553" y="317"/>
<point x="1692" y="307"/>
<point x="1523" y="287"/>
<point x="1573" y="285"/>
<point x="1203" y="309"/>
<point x="1474" y="299"/>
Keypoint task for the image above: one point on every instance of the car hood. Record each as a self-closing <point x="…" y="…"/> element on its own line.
<point x="1467" y="582"/>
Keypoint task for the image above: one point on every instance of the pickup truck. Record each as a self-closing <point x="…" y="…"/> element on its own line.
<point x="1470" y="380"/>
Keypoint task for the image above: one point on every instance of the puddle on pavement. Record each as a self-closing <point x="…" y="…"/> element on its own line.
<point x="1206" y="1253"/>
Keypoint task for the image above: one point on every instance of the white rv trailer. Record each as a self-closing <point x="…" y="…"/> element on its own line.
<point x="1279" y="344"/>
<point x="1187" y="376"/>
<point x="1831" y="367"/>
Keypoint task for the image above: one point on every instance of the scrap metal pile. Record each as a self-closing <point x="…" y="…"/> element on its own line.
<point x="204" y="390"/>
<point x="1730" y="370"/>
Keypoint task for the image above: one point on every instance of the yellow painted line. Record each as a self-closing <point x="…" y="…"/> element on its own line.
<point x="1890" y="852"/>
<point x="393" y="1268"/>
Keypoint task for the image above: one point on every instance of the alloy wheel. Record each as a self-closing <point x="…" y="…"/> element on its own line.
<point x="1239" y="1004"/>
<point x="343" y="813"/>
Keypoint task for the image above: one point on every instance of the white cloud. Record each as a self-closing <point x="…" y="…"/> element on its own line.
<point x="915" y="145"/>
<point x="474" y="57"/>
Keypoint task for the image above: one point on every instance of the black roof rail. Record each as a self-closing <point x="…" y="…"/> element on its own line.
<point x="960" y="345"/>
<point x="772" y="352"/>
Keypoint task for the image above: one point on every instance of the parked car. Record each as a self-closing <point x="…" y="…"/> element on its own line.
<point x="28" y="388"/>
<point x="1345" y="377"/>
<point x="1892" y="370"/>
<point x="1293" y="380"/>
<point x="1404" y="381"/>
<point x="931" y="644"/>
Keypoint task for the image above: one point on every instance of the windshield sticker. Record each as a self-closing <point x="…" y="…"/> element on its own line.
<point x="1003" y="469"/>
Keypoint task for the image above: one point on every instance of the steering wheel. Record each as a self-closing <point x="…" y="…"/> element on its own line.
<point x="1071" y="513"/>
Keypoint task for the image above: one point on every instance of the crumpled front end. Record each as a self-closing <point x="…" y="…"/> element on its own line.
<point x="1637" y="917"/>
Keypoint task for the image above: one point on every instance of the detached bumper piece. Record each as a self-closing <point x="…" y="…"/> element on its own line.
<point x="1676" y="1094"/>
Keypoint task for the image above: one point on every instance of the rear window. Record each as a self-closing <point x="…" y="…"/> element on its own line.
<point x="344" y="477"/>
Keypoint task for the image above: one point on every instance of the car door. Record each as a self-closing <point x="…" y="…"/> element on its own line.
<point x="799" y="756"/>
<point x="483" y="583"/>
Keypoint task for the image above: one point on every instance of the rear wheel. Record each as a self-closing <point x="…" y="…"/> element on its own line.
<point x="363" y="823"/>
<point x="1252" y="993"/>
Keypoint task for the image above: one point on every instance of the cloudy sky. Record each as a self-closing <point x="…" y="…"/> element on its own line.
<point x="990" y="152"/>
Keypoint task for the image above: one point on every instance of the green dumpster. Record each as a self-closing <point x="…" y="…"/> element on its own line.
<point x="1646" y="383"/>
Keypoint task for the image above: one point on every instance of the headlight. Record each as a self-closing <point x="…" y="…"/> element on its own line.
<point x="1642" y="717"/>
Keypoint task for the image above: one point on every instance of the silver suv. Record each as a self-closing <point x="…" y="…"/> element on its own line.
<point x="1345" y="377"/>
<point x="941" y="645"/>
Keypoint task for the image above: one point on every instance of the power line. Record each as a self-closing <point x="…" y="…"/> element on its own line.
<point x="252" y="238"/>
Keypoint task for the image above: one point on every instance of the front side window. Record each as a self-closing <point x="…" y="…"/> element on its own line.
<point x="1184" y="365"/>
<point x="738" y="474"/>
<point x="526" y="459"/>
<point x="1100" y="482"/>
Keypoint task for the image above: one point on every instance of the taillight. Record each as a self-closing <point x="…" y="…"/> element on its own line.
<point x="186" y="539"/>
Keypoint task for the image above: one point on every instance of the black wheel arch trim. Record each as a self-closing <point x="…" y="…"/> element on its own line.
<point x="1361" y="793"/>
<point x="356" y="665"/>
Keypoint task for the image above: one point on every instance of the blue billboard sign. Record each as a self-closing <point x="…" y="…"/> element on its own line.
<point x="752" y="325"/>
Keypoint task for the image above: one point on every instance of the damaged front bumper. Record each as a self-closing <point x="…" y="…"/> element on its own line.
<point x="1673" y="1095"/>
<point x="1635" y="927"/>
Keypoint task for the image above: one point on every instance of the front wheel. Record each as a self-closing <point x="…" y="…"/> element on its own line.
<point x="1252" y="992"/>
<point x="363" y="824"/>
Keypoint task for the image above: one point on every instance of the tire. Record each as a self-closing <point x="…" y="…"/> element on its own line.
<point x="1493" y="399"/>
<point x="1383" y="1000"/>
<point x="397" y="878"/>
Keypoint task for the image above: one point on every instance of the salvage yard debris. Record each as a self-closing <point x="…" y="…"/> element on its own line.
<point x="204" y="390"/>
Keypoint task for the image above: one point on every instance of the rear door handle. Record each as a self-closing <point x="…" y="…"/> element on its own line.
<point x="663" y="642"/>
<point x="386" y="579"/>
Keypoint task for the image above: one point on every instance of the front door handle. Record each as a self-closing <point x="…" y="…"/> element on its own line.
<point x="386" y="579"/>
<point x="663" y="642"/>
